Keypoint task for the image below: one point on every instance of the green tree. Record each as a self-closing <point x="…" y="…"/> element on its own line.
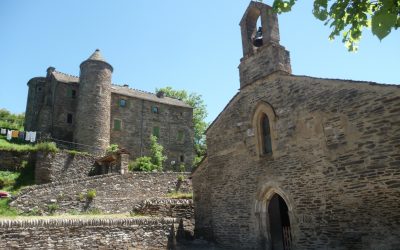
<point x="11" y="121"/>
<point x="150" y="163"/>
<point x="347" y="18"/>
<point x="199" y="115"/>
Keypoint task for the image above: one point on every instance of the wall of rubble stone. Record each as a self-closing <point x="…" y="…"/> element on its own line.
<point x="51" y="167"/>
<point x="115" y="193"/>
<point x="335" y="162"/>
<point x="12" y="160"/>
<point x="126" y="233"/>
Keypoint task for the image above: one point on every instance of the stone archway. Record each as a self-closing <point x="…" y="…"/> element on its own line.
<point x="274" y="212"/>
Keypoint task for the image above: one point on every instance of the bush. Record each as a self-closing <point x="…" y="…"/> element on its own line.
<point x="143" y="164"/>
<point x="91" y="194"/>
<point x="112" y="148"/>
<point x="181" y="178"/>
<point x="157" y="157"/>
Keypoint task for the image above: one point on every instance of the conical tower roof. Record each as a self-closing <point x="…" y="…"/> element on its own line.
<point x="96" y="56"/>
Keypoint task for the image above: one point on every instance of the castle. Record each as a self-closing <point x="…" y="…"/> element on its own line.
<point x="92" y="113"/>
<point x="298" y="162"/>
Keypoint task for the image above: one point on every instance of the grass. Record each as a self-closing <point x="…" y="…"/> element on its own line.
<point x="71" y="215"/>
<point x="5" y="210"/>
<point x="42" y="146"/>
<point x="179" y="195"/>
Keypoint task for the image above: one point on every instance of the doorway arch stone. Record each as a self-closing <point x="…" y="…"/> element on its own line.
<point x="263" y="200"/>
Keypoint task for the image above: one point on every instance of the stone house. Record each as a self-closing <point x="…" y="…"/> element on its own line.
<point x="93" y="113"/>
<point x="298" y="162"/>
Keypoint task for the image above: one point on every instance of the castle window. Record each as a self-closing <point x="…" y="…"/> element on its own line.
<point x="122" y="103"/>
<point x="154" y="109"/>
<point x="180" y="136"/>
<point x="156" y="131"/>
<point x="266" y="135"/>
<point x="71" y="93"/>
<point x="117" y="124"/>
<point x="69" y="118"/>
<point x="182" y="158"/>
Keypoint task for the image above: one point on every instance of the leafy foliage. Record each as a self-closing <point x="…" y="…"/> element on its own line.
<point x="91" y="194"/>
<point x="199" y="115"/>
<point x="179" y="195"/>
<point x="112" y="148"/>
<point x="141" y="164"/>
<point x="347" y="18"/>
<point x="150" y="163"/>
<point x="11" y="121"/>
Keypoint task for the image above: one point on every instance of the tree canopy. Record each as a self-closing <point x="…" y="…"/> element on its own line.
<point x="199" y="115"/>
<point x="347" y="18"/>
<point x="11" y="121"/>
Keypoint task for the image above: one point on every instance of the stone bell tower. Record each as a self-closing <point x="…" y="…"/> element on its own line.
<point x="262" y="53"/>
<point x="92" y="127"/>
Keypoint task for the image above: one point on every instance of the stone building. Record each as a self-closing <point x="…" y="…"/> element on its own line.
<point x="298" y="162"/>
<point x="93" y="113"/>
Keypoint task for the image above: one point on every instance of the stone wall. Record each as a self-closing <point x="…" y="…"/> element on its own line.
<point x="335" y="163"/>
<point x="114" y="193"/>
<point x="138" y="123"/>
<point x="127" y="233"/>
<point x="59" y="166"/>
<point x="12" y="160"/>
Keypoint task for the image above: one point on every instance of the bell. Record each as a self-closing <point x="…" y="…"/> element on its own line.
<point x="258" y="39"/>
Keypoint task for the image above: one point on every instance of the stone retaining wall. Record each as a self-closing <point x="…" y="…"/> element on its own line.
<point x="126" y="233"/>
<point x="114" y="193"/>
<point x="12" y="160"/>
<point x="51" y="167"/>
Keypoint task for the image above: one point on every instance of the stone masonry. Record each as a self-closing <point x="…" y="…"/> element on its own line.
<point x="124" y="233"/>
<point x="115" y="193"/>
<point x="89" y="113"/>
<point x="334" y="165"/>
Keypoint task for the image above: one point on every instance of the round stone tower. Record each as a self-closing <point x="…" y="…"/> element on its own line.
<point x="92" y="123"/>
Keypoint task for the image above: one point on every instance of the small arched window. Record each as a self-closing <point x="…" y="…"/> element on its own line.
<point x="266" y="135"/>
<point x="264" y="120"/>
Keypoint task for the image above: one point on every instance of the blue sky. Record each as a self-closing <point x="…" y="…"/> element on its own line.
<point x="192" y="45"/>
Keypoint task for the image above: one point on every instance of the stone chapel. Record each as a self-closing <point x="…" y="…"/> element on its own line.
<point x="298" y="162"/>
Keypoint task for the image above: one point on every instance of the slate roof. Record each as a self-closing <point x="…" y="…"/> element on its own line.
<point x="147" y="96"/>
<point x="62" y="77"/>
<point x="126" y="91"/>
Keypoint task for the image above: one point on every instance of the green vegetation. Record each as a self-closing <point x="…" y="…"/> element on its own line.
<point x="199" y="116"/>
<point x="179" y="195"/>
<point x="5" y="209"/>
<point x="181" y="178"/>
<point x="42" y="146"/>
<point x="91" y="194"/>
<point x="52" y="208"/>
<point x="112" y="148"/>
<point x="150" y="163"/>
<point x="75" y="152"/>
<point x="11" y="121"/>
<point x="348" y="18"/>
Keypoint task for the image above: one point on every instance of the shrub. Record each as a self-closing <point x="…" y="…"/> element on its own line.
<point x="181" y="177"/>
<point x="157" y="157"/>
<point x="142" y="164"/>
<point x="112" y="148"/>
<point x="81" y="197"/>
<point x="91" y="194"/>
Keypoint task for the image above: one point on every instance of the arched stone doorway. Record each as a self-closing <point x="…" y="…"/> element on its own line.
<point x="279" y="224"/>
<point x="274" y="213"/>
